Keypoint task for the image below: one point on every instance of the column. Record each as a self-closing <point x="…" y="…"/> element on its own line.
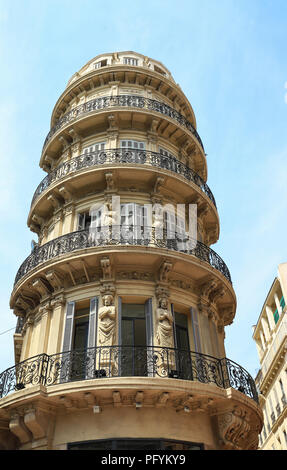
<point x="277" y="302"/>
<point x="270" y="317"/>
<point x="266" y="330"/>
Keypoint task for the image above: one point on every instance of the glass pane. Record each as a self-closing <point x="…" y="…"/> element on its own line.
<point x="139" y="332"/>
<point x="133" y="310"/>
<point x="137" y="444"/>
<point x="127" y="332"/>
<point x="181" y="319"/>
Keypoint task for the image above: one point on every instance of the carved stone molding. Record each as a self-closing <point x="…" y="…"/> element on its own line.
<point x="164" y="270"/>
<point x="237" y="429"/>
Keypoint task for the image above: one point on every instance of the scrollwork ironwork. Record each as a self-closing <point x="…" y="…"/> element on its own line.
<point x="115" y="235"/>
<point x="123" y="156"/>
<point x="126" y="361"/>
<point x="133" y="101"/>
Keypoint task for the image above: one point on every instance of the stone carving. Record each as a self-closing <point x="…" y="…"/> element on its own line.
<point x="165" y="324"/>
<point x="135" y="275"/>
<point x="235" y="430"/>
<point x="107" y="322"/>
<point x="164" y="271"/>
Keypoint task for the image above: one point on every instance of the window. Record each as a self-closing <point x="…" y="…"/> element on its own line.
<point x="133" y="144"/>
<point x="79" y="334"/>
<point x="101" y="63"/>
<point x="135" y="444"/>
<point x="130" y="61"/>
<point x="135" y="334"/>
<point x="84" y="221"/>
<point x="100" y="146"/>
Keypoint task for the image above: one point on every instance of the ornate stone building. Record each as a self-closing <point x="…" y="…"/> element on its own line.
<point x="121" y="317"/>
<point x="270" y="335"/>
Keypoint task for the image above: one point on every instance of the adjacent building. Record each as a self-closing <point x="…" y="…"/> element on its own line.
<point x="121" y="305"/>
<point x="270" y="336"/>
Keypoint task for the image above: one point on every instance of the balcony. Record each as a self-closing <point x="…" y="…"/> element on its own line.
<point x="114" y="236"/>
<point x="126" y="361"/>
<point x="124" y="157"/>
<point x="125" y="101"/>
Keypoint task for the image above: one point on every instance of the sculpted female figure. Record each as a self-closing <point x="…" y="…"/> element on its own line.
<point x="107" y="322"/>
<point x="165" y="325"/>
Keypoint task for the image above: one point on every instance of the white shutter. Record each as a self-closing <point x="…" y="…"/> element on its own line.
<point x="195" y="329"/>
<point x="69" y="327"/>
<point x="139" y="221"/>
<point x="91" y="359"/>
<point x="95" y="147"/>
<point x="133" y="144"/>
<point x="92" y="322"/>
<point x="149" y="322"/>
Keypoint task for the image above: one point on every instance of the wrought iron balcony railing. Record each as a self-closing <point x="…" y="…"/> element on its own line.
<point x="126" y="361"/>
<point x="126" y="101"/>
<point x="123" y="156"/>
<point x="116" y="236"/>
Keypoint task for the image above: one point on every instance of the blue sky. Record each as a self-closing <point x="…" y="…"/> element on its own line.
<point x="229" y="58"/>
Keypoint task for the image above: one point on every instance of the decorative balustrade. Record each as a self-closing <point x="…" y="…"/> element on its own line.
<point x="121" y="235"/>
<point x="123" y="156"/>
<point x="126" y="101"/>
<point x="126" y="361"/>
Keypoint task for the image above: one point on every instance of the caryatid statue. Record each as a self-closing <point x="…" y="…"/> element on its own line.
<point x="107" y="322"/>
<point x="165" y="325"/>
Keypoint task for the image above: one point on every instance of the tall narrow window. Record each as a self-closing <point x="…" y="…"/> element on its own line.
<point x="79" y="335"/>
<point x="183" y="358"/>
<point x="135" y="335"/>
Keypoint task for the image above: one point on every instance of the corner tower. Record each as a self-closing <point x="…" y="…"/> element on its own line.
<point x="120" y="335"/>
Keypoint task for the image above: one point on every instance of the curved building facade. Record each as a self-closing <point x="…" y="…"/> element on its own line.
<point x="122" y="304"/>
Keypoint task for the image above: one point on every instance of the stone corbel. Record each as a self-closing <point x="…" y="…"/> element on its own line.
<point x="24" y="302"/>
<point x="37" y="421"/>
<point x="207" y="287"/>
<point x="117" y="399"/>
<point x="202" y="211"/>
<point x="41" y="287"/>
<point x="18" y="427"/>
<point x="164" y="270"/>
<point x="38" y="220"/>
<point x="152" y="135"/>
<point x="139" y="398"/>
<point x="56" y="203"/>
<point x="66" y="194"/>
<point x="54" y="279"/>
<point x="217" y="293"/>
<point x="162" y="400"/>
<point x="159" y="182"/>
<point x="49" y="161"/>
<point x="106" y="268"/>
<point x="235" y="430"/>
<point x="35" y="228"/>
<point x="227" y="314"/>
<point x="64" y="142"/>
